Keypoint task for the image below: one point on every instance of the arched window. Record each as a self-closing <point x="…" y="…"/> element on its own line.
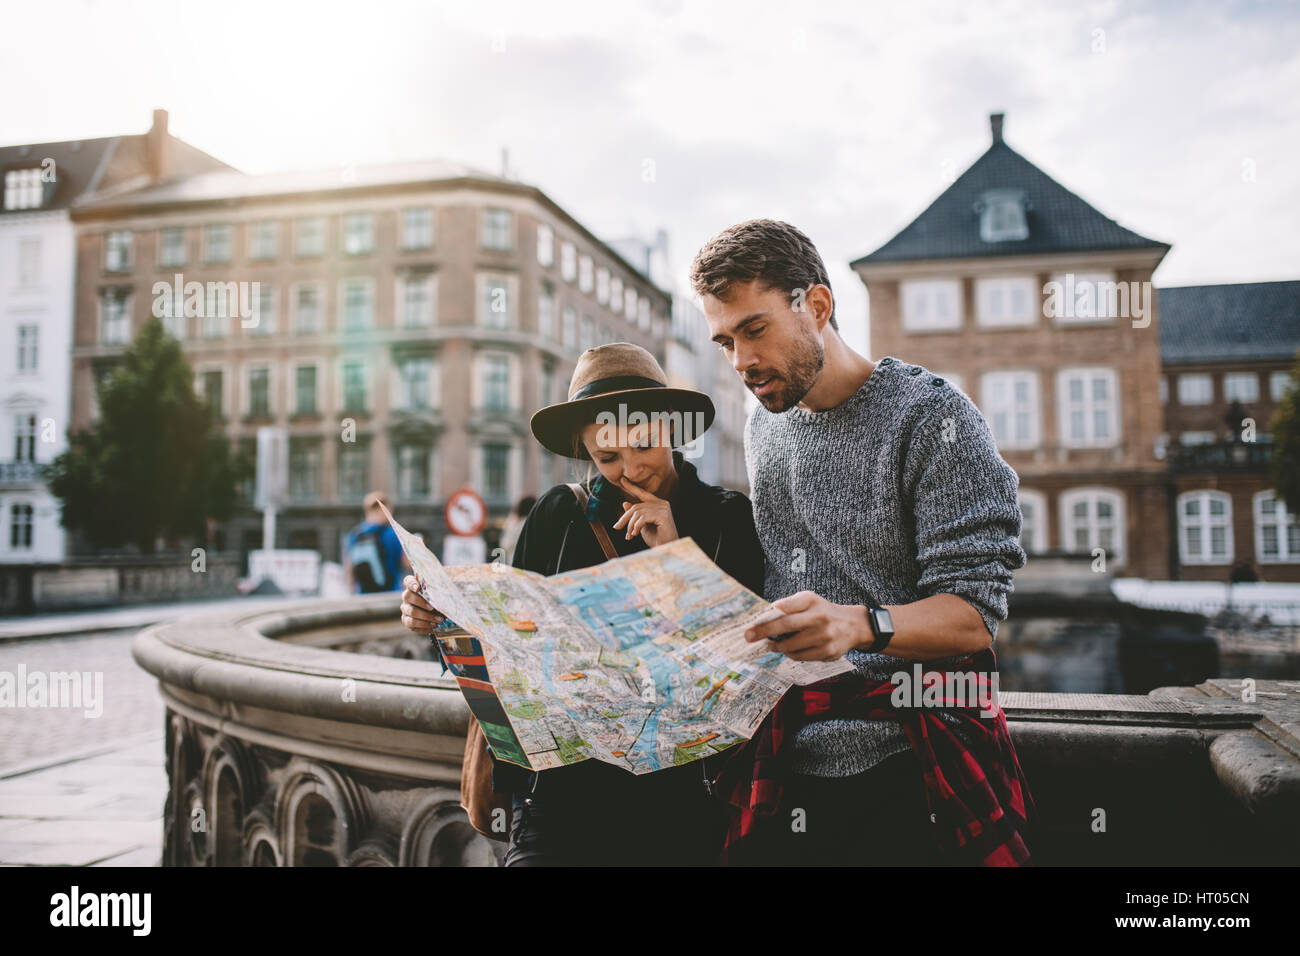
<point x="1094" y="518"/>
<point x="1277" y="533"/>
<point x="1033" y="525"/>
<point x="1204" y="527"/>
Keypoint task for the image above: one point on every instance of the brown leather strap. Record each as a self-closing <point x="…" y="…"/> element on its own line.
<point x="597" y="528"/>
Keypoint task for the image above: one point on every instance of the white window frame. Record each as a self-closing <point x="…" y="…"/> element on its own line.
<point x="123" y="242"/>
<point x="367" y="384"/>
<point x="602" y="286"/>
<point x="478" y="383"/>
<point x="1000" y="291"/>
<point x="1093" y="495"/>
<point x="1204" y="523"/>
<point x="568" y="261"/>
<point x="1090" y="407"/>
<point x="1278" y="382"/>
<point x="300" y="234"/>
<point x="1067" y="312"/>
<point x="586" y="274"/>
<point x="294" y="291"/>
<point x="545" y="245"/>
<point x="361" y="226"/>
<point x="368" y="283"/>
<point x="487" y="318"/>
<point x="1241" y="386"/>
<point x="546" y="314"/>
<point x="24" y="188"/>
<point x="268" y="318"/>
<point x="27" y="348"/>
<point x="399" y="396"/>
<point x="208" y="230"/>
<point x="127" y="300"/>
<point x="255" y="239"/>
<point x="204" y="368"/>
<point x="1038" y="502"/>
<point x="423" y="236"/>
<point x="1281" y="519"/>
<point x="616" y="295"/>
<point x="988" y="383"/>
<point x="316" y="388"/>
<point x="569" y="327"/>
<point x="918" y="302"/>
<point x="247" y="382"/>
<point x="163" y="260"/>
<point x="493" y="234"/>
<point x="406" y="280"/>
<point x="1187" y="380"/>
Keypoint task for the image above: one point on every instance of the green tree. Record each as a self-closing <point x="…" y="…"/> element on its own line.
<point x="1285" y="427"/>
<point x="155" y="464"/>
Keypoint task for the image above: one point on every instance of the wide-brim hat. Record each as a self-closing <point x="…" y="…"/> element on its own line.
<point x="607" y="376"/>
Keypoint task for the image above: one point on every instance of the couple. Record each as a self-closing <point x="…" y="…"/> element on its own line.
<point x="884" y="523"/>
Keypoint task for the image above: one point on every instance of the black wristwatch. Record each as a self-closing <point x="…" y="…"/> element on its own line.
<point x="882" y="627"/>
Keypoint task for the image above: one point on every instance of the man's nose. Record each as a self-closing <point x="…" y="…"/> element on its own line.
<point x="742" y="358"/>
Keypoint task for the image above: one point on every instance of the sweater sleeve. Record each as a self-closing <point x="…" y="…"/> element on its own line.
<point x="967" y="516"/>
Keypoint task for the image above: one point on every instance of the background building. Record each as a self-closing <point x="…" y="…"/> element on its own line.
<point x="1041" y="308"/>
<point x="410" y="319"/>
<point x="37" y="266"/>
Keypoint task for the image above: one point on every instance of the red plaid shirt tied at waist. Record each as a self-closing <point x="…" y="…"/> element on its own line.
<point x="979" y="799"/>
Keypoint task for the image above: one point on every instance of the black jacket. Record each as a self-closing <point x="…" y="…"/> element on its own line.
<point x="556" y="537"/>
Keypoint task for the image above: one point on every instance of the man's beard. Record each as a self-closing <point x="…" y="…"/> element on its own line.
<point x="795" y="380"/>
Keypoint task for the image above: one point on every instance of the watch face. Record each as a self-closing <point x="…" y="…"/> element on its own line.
<point x="884" y="623"/>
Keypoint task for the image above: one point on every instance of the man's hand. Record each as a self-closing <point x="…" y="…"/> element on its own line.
<point x="819" y="630"/>
<point x="418" y="616"/>
<point x="650" y="517"/>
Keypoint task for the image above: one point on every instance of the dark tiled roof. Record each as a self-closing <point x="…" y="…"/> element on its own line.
<point x="1059" y="221"/>
<point x="76" y="163"/>
<point x="1252" y="321"/>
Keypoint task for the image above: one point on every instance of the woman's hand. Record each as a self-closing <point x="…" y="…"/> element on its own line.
<point x="650" y="517"/>
<point x="418" y="616"/>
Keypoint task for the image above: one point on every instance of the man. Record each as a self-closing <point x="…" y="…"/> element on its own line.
<point x="373" y="556"/>
<point x="874" y="485"/>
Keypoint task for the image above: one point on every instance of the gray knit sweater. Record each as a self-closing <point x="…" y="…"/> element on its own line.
<point x="894" y="495"/>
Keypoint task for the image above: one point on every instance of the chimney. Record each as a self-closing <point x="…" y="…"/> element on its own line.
<point x="158" y="148"/>
<point x="995" y="121"/>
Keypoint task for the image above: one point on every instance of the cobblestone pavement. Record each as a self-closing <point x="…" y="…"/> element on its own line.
<point x="130" y="704"/>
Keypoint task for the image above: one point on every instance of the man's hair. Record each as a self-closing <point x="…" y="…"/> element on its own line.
<point x="775" y="253"/>
<point x="373" y="500"/>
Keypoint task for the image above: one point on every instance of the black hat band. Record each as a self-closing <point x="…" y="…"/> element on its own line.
<point x="615" y="383"/>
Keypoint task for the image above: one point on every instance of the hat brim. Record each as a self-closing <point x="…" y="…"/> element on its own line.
<point x="555" y="426"/>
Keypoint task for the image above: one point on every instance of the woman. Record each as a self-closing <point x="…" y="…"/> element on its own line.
<point x="645" y="494"/>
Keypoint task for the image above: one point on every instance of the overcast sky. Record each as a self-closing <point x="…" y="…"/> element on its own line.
<point x="1181" y="120"/>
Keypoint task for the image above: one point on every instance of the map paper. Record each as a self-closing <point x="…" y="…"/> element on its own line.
<point x="640" y="662"/>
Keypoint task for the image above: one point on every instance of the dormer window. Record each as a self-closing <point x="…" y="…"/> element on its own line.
<point x="1002" y="215"/>
<point x="23" y="189"/>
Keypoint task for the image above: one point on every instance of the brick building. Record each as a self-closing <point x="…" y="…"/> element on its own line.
<point x="1042" y="309"/>
<point x="409" y="319"/>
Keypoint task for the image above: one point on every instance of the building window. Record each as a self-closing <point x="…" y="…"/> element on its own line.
<point x="358" y="233"/>
<point x="586" y="280"/>
<point x="629" y="304"/>
<point x="1088" y="407"/>
<point x="117" y="252"/>
<point x="496" y="302"/>
<point x="616" y="295"/>
<point x="114" y="317"/>
<point x="217" y="242"/>
<point x="214" y="392"/>
<point x="417" y="301"/>
<point x="1009" y="400"/>
<point x="1241" y="387"/>
<point x="310" y="237"/>
<point x="570" y="331"/>
<point x="354" y="470"/>
<point x="28" y="348"/>
<point x="357" y="302"/>
<point x="1196" y="438"/>
<point x="1093" y="518"/>
<point x="1204" y="527"/>
<point x="1006" y="301"/>
<point x="1277" y="533"/>
<point x="417" y="228"/>
<point x="931" y="304"/>
<point x="416" y="375"/>
<point x="496" y="472"/>
<point x="496" y="383"/>
<point x="568" y="261"/>
<point x="24" y="189"/>
<point x="354" y="386"/>
<point x="172" y="313"/>
<point x="604" y="336"/>
<point x="304" y="469"/>
<point x="20" y="526"/>
<point x="1164" y="390"/>
<point x="547" y="384"/>
<point x="1278" y="382"/>
<point x="25" y="437"/>
<point x="304" y="390"/>
<point x="264" y="240"/>
<point x="259" y="392"/>
<point x="29" y="263"/>
<point x="602" y="285"/>
<point x="546" y="314"/>
<point x="307" y="308"/>
<point x="1087" y="297"/>
<point x="1195" y="389"/>
<point x="545" y="245"/>
<point x="216" y="309"/>
<point x="1033" y="521"/>
<point x="643" y="313"/>
<point x="171" y="246"/>
<point x="497" y="226"/>
<point x="264" y="319"/>
<point x="413" y="471"/>
<point x="587" y="337"/>
<point x="1002" y="215"/>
